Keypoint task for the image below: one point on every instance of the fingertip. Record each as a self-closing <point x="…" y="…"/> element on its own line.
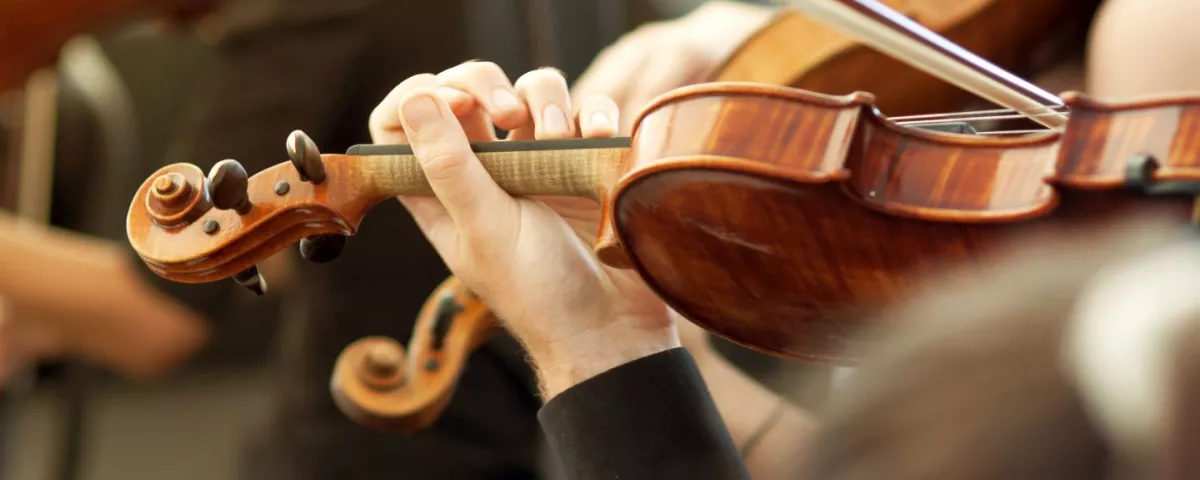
<point x="599" y="117"/>
<point x="422" y="110"/>
<point x="598" y="125"/>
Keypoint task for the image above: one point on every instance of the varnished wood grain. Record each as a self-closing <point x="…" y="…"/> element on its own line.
<point x="1101" y="137"/>
<point x="784" y="221"/>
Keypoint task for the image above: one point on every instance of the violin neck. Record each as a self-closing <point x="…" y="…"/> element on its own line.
<point x="584" y="168"/>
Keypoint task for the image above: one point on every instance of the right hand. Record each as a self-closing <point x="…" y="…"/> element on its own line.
<point x="530" y="260"/>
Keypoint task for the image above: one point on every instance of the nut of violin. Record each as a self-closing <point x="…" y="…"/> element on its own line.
<point x="227" y="186"/>
<point x="305" y="157"/>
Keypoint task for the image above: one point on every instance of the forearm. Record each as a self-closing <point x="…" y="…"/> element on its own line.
<point x="85" y="288"/>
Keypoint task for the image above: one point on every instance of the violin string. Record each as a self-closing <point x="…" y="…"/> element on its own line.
<point x="1012" y="132"/>
<point x="968" y="112"/>
<point x="969" y="119"/>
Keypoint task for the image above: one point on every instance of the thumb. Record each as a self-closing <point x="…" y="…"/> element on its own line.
<point x="455" y="174"/>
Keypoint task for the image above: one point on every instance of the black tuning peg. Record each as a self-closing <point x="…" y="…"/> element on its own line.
<point x="305" y="157"/>
<point x="251" y="279"/>
<point x="322" y="248"/>
<point x="227" y="184"/>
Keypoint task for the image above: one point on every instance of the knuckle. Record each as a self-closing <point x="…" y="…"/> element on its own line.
<point x="416" y="81"/>
<point x="542" y="79"/>
<point x="474" y="70"/>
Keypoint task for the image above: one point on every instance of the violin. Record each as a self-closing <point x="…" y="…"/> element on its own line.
<point x="378" y="384"/>
<point x="768" y="215"/>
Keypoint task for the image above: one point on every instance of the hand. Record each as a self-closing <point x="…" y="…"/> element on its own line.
<point x="64" y="294"/>
<point x="659" y="57"/>
<point x="529" y="259"/>
<point x="23" y="343"/>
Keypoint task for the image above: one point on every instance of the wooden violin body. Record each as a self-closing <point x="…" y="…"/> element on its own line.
<point x="799" y="51"/>
<point x="788" y="235"/>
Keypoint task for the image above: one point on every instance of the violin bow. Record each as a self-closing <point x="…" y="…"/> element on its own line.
<point x="898" y="36"/>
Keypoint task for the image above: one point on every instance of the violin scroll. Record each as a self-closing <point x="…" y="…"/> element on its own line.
<point x="379" y="383"/>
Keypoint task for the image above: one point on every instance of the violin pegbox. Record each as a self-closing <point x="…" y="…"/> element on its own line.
<point x="306" y="158"/>
<point x="194" y="228"/>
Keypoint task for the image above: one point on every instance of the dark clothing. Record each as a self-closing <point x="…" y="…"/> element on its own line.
<point x="648" y="419"/>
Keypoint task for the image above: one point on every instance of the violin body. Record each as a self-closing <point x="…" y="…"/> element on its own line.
<point x="801" y="52"/>
<point x="784" y="220"/>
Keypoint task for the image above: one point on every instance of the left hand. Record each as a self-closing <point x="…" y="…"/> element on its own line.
<point x="530" y="260"/>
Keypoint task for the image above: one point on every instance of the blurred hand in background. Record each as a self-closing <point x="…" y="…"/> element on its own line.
<point x="662" y="56"/>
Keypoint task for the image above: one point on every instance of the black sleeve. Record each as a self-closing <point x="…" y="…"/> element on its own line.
<point x="652" y="418"/>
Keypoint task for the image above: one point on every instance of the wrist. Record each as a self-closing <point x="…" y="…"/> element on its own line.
<point x="569" y="362"/>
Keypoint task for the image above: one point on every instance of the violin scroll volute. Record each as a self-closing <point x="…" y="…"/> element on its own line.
<point x="380" y="384"/>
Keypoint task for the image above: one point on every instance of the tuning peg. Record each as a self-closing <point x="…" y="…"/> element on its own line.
<point x="227" y="186"/>
<point x="251" y="279"/>
<point x="448" y="308"/>
<point x="305" y="157"/>
<point x="322" y="248"/>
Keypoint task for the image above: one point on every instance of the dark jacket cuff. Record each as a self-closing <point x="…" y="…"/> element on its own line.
<point x="650" y="418"/>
